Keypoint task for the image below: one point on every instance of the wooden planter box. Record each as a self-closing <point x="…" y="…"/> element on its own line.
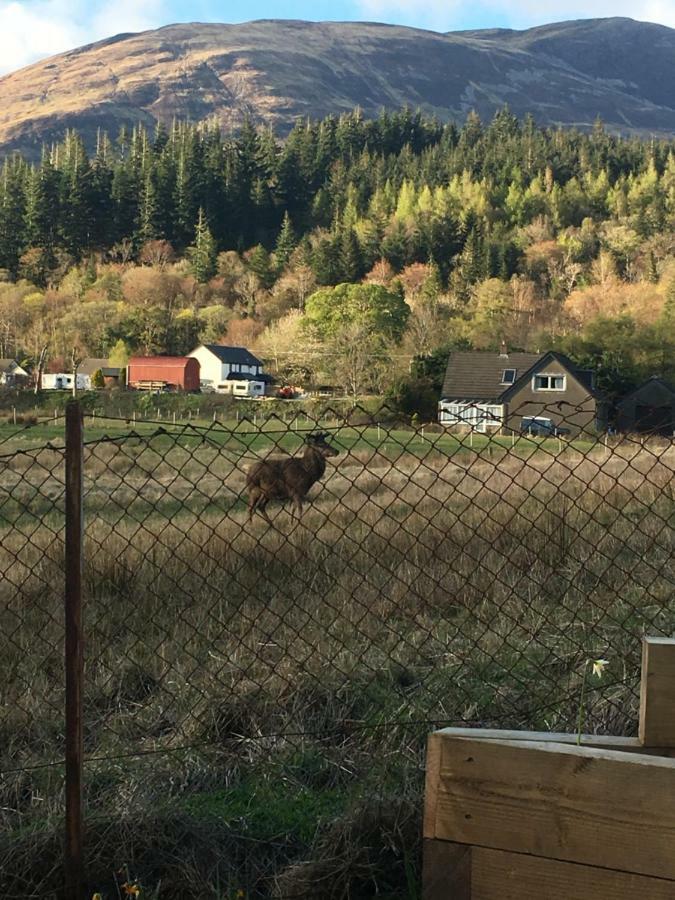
<point x="517" y="815"/>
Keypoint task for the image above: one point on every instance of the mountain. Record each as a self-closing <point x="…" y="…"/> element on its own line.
<point x="568" y="73"/>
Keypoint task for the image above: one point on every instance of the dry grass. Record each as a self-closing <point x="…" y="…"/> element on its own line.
<point x="309" y="660"/>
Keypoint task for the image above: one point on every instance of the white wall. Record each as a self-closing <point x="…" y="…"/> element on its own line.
<point x="213" y="372"/>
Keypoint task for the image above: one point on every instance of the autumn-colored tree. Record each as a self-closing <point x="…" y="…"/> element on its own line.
<point x="156" y="253"/>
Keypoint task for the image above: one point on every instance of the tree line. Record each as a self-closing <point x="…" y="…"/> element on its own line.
<point x="488" y="231"/>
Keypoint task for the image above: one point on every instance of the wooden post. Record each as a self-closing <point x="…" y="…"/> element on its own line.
<point x="74" y="657"/>
<point x="14" y="414"/>
<point x="657" y="693"/>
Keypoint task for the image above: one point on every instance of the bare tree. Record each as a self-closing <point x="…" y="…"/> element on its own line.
<point x="42" y="359"/>
<point x="75" y="362"/>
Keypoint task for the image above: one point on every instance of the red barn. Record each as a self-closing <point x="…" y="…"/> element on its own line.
<point x="153" y="373"/>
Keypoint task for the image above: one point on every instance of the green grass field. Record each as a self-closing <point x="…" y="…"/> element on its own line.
<point x="259" y="696"/>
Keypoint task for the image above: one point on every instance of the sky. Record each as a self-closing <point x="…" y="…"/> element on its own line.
<point x="33" y="29"/>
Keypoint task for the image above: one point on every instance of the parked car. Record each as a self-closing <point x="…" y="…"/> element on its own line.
<point x="537" y="426"/>
<point x="286" y="393"/>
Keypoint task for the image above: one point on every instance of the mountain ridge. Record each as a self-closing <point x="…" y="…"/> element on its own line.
<point x="275" y="71"/>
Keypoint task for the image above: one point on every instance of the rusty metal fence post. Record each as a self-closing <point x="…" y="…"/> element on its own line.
<point x="74" y="656"/>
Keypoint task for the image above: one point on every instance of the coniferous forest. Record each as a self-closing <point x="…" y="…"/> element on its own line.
<point x="438" y="236"/>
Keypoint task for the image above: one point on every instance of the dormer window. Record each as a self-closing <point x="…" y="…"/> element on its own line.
<point x="549" y="383"/>
<point x="509" y="376"/>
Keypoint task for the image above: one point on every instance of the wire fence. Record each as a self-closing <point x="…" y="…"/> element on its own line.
<point x="275" y="616"/>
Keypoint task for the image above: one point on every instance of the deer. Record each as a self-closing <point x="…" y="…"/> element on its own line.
<point x="288" y="478"/>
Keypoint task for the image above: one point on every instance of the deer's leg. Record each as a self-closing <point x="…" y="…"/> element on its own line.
<point x="253" y="501"/>
<point x="262" y="509"/>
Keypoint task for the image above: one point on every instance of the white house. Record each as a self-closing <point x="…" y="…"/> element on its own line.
<point x="63" y="381"/>
<point x="230" y="370"/>
<point x="11" y="373"/>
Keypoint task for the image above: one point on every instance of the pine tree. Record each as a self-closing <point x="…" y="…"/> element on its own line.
<point x="432" y="287"/>
<point x="326" y="261"/>
<point x="202" y="254"/>
<point x="351" y="258"/>
<point x="125" y="201"/>
<point x="259" y="262"/>
<point x="148" y="225"/>
<point x="42" y="206"/>
<point x="286" y="243"/>
<point x="74" y="200"/>
<point x="12" y="206"/>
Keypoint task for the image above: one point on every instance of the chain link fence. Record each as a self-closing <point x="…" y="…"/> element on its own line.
<point x="259" y="684"/>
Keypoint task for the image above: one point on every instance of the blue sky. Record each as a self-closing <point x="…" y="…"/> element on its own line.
<point x="32" y="29"/>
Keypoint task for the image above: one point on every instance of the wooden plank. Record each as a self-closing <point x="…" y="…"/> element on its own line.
<point x="446" y="871"/>
<point x="601" y="741"/>
<point x="497" y="875"/>
<point x="433" y="768"/>
<point x="657" y="693"/>
<point x="579" y="804"/>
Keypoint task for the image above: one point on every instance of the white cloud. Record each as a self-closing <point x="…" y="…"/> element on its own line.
<point x="445" y="15"/>
<point x="33" y="30"/>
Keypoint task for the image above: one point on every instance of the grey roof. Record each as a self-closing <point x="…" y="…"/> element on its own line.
<point x="235" y="356"/>
<point x="650" y="382"/>
<point x="6" y="364"/>
<point x="477" y="375"/>
<point x="92" y="364"/>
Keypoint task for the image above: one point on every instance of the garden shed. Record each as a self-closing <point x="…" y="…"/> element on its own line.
<point x="649" y="409"/>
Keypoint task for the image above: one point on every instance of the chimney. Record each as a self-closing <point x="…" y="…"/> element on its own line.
<point x="504" y="350"/>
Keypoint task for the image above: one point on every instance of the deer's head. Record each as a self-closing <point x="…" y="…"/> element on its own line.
<point x="318" y="441"/>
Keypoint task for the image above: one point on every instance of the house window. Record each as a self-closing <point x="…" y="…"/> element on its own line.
<point x="549" y="383"/>
<point x="508" y="376"/>
<point x="450" y="413"/>
<point x="473" y="415"/>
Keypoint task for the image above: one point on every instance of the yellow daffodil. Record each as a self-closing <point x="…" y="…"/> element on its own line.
<point x="599" y="666"/>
